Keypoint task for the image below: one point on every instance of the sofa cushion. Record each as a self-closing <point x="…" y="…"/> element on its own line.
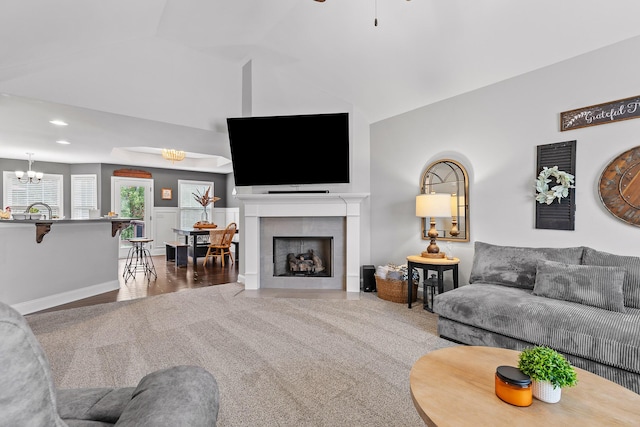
<point x="631" y="287"/>
<point x="603" y="336"/>
<point x="515" y="266"/>
<point x="586" y="284"/>
<point x="176" y="396"/>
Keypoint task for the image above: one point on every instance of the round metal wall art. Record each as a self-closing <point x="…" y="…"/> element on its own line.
<point x="619" y="187"/>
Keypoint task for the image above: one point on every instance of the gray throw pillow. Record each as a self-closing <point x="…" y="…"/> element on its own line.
<point x="514" y="265"/>
<point x="585" y="284"/>
<point x="631" y="264"/>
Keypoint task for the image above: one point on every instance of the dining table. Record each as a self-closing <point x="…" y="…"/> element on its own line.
<point x="187" y="232"/>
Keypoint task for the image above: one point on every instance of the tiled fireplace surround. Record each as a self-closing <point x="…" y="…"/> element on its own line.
<point x="301" y="208"/>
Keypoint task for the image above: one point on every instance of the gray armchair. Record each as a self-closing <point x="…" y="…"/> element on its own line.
<point x="176" y="396"/>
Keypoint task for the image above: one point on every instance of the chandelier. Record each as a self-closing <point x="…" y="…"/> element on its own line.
<point x="173" y="155"/>
<point x="32" y="176"/>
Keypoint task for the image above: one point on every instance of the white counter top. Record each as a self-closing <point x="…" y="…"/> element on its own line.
<point x="63" y="221"/>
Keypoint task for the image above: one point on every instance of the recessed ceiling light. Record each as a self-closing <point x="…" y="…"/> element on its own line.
<point x="58" y="122"/>
<point x="63" y="142"/>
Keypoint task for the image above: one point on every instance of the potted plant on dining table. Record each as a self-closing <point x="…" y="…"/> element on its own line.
<point x="204" y="199"/>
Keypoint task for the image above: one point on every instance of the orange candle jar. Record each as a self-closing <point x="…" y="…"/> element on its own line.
<point x="512" y="386"/>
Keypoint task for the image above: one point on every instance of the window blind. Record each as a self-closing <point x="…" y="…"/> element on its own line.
<point x="190" y="209"/>
<point x="19" y="195"/>
<point x="84" y="195"/>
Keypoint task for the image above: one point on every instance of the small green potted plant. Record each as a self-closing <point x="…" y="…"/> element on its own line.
<point x="549" y="371"/>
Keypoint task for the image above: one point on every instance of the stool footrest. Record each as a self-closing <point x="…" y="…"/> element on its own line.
<point x="139" y="258"/>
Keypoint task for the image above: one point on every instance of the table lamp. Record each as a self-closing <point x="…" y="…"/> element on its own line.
<point x="431" y="206"/>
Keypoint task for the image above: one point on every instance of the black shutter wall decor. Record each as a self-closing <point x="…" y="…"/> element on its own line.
<point x="557" y="216"/>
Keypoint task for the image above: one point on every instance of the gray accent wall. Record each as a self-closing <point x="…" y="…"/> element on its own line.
<point x="494" y="132"/>
<point x="46" y="167"/>
<point x="163" y="178"/>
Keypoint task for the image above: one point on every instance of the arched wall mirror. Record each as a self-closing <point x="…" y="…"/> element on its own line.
<point x="450" y="177"/>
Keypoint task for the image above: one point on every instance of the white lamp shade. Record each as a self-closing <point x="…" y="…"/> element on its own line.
<point x="33" y="176"/>
<point x="433" y="205"/>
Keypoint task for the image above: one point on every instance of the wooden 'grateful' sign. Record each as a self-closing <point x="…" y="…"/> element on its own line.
<point x="623" y="109"/>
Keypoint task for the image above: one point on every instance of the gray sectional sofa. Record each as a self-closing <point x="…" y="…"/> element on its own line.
<point x="175" y="396"/>
<point x="582" y="302"/>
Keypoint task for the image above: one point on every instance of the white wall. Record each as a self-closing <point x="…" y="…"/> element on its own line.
<point x="494" y="132"/>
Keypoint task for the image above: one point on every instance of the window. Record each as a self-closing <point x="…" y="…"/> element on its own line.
<point x="84" y="195"/>
<point x="190" y="210"/>
<point x="19" y="195"/>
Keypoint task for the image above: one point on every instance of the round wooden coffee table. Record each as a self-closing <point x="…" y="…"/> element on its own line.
<point x="455" y="387"/>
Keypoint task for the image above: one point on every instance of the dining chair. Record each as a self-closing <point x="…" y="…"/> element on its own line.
<point x="220" y="243"/>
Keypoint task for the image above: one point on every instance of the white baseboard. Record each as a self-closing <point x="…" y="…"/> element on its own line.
<point x="65" y="297"/>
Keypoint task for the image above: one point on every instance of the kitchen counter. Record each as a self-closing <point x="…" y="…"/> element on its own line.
<point x="77" y="259"/>
<point x="64" y="220"/>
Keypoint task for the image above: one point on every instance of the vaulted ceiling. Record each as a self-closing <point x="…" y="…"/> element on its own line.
<point x="132" y="77"/>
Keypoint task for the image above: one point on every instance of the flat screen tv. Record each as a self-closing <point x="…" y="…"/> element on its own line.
<point x="290" y="150"/>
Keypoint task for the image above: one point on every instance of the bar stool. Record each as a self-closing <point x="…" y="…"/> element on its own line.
<point x="143" y="260"/>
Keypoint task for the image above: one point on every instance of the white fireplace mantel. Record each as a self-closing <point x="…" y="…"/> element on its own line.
<point x="258" y="206"/>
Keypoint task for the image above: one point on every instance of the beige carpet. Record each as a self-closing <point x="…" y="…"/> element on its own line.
<point x="278" y="361"/>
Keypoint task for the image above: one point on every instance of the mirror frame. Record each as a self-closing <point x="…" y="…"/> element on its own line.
<point x="460" y="176"/>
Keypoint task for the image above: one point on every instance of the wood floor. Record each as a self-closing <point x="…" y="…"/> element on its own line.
<point x="170" y="279"/>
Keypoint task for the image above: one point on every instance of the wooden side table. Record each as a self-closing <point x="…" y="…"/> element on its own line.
<point x="439" y="265"/>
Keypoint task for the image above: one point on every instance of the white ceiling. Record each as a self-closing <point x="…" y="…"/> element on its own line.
<point x="132" y="77"/>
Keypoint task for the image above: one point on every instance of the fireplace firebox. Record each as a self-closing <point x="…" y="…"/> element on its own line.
<point x="302" y="252"/>
<point x="303" y="256"/>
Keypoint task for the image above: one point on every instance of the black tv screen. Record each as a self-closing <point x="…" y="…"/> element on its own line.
<point x="290" y="150"/>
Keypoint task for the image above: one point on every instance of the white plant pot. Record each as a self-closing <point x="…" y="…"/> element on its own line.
<point x="543" y="390"/>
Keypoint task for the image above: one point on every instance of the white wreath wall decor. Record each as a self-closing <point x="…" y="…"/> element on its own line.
<point x="564" y="182"/>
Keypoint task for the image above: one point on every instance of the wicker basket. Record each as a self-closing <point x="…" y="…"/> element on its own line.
<point x="395" y="290"/>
